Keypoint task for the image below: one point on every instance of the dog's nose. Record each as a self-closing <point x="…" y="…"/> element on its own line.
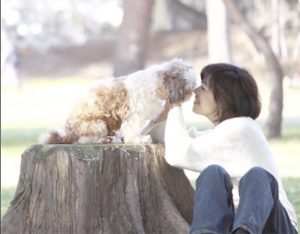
<point x="196" y="90"/>
<point x="189" y="67"/>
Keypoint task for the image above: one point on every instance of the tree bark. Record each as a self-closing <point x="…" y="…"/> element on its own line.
<point x="99" y="189"/>
<point x="132" y="41"/>
<point x="274" y="119"/>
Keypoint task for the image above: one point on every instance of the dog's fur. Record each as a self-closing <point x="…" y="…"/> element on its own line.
<point x="118" y="109"/>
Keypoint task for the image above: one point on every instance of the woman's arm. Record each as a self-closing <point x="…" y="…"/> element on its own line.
<point x="177" y="140"/>
<point x="224" y="145"/>
<point x="164" y="114"/>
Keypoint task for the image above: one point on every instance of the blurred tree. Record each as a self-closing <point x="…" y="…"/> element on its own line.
<point x="278" y="42"/>
<point x="274" y="119"/>
<point x="45" y="24"/>
<point x="185" y="16"/>
<point x="217" y="31"/>
<point x="132" y="40"/>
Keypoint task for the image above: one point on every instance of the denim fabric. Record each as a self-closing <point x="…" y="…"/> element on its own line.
<point x="259" y="210"/>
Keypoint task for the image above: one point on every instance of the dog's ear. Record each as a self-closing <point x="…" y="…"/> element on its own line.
<point x="173" y="86"/>
<point x="161" y="90"/>
<point x="160" y="74"/>
<point x="169" y="78"/>
<point x="176" y="91"/>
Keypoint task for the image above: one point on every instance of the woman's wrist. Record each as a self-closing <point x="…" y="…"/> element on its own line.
<point x="169" y="106"/>
<point x="164" y="114"/>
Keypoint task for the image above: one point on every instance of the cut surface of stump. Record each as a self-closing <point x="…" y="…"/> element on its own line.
<point x="99" y="189"/>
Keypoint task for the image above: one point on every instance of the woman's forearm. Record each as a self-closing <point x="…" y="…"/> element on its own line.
<point x="164" y="114"/>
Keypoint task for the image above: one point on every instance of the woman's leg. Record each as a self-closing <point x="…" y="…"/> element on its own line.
<point x="260" y="210"/>
<point x="213" y="207"/>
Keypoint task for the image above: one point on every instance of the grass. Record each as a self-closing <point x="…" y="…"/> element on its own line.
<point x="292" y="188"/>
<point x="37" y="105"/>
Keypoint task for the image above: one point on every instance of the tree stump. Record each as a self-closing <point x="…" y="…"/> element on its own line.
<point x="90" y="189"/>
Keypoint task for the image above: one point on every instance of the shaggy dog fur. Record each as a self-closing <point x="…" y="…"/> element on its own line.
<point x="118" y="109"/>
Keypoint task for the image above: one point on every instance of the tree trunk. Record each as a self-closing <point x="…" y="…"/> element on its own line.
<point x="99" y="189"/>
<point x="274" y="119"/>
<point x="278" y="41"/>
<point x="217" y="32"/>
<point x="275" y="26"/>
<point x="131" y="45"/>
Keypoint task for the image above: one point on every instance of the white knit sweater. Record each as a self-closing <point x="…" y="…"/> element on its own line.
<point x="237" y="144"/>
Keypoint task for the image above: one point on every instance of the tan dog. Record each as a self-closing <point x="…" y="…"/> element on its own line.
<point x="118" y="109"/>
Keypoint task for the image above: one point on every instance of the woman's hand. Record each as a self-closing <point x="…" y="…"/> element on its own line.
<point x="164" y="114"/>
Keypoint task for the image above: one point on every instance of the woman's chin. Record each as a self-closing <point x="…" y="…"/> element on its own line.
<point x="196" y="109"/>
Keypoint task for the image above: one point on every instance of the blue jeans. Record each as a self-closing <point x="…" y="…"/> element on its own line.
<point x="259" y="210"/>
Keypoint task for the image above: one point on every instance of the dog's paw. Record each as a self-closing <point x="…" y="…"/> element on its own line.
<point x="116" y="139"/>
<point x="145" y="139"/>
<point x="93" y="140"/>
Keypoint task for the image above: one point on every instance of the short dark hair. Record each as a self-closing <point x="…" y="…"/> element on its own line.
<point x="234" y="89"/>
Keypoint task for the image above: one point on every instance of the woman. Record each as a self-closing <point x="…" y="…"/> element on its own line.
<point x="233" y="156"/>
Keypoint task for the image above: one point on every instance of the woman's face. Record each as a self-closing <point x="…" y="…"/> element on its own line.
<point x="205" y="103"/>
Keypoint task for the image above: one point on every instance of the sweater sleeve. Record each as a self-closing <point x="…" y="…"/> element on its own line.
<point x="157" y="132"/>
<point x="211" y="147"/>
<point x="177" y="139"/>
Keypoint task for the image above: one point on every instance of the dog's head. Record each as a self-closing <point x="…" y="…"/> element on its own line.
<point x="177" y="81"/>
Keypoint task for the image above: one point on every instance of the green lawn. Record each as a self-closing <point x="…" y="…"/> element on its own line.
<point x="41" y="104"/>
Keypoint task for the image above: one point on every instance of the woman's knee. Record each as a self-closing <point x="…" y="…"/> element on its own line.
<point x="212" y="172"/>
<point x="259" y="175"/>
<point x="257" y="172"/>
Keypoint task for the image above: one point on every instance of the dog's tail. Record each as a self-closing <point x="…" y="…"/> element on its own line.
<point x="55" y="136"/>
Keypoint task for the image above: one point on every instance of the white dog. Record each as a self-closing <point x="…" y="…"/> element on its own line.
<point x="118" y="109"/>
